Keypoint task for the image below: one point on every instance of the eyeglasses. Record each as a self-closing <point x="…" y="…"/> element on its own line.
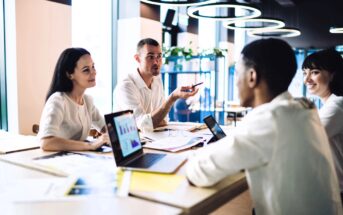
<point x="151" y="57"/>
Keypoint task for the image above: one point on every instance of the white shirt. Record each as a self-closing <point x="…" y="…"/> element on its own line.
<point x="133" y="94"/>
<point x="331" y="115"/>
<point x="64" y="118"/>
<point x="284" y="151"/>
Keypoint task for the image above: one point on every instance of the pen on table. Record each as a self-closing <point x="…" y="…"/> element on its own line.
<point x="164" y="129"/>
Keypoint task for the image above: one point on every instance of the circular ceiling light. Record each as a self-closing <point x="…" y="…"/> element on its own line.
<point x="280" y="32"/>
<point x="198" y="12"/>
<point x="177" y="2"/>
<point x="336" y="30"/>
<point x="252" y="24"/>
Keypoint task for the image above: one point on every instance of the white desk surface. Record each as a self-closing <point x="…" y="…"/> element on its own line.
<point x="82" y="206"/>
<point x="192" y="200"/>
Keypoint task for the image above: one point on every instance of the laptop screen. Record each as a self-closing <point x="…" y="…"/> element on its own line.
<point x="124" y="136"/>
<point x="127" y="132"/>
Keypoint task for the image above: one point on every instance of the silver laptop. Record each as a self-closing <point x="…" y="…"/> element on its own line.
<point x="128" y="150"/>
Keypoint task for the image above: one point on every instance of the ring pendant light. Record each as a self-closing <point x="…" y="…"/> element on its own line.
<point x="195" y="11"/>
<point x="336" y="30"/>
<point x="177" y="2"/>
<point x="280" y="32"/>
<point x="256" y="23"/>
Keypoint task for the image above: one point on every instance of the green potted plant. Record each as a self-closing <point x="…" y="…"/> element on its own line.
<point x="182" y="53"/>
<point x="217" y="52"/>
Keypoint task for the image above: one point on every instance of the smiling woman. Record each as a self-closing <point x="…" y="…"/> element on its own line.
<point x="323" y="76"/>
<point x="69" y="114"/>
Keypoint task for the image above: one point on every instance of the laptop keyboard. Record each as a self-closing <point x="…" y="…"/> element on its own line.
<point x="146" y="160"/>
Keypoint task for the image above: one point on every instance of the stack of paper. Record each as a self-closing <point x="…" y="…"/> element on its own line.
<point x="174" y="144"/>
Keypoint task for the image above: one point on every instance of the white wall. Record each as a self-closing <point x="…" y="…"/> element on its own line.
<point x="43" y="31"/>
<point x="130" y="31"/>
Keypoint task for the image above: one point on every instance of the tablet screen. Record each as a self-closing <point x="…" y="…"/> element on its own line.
<point x="214" y="127"/>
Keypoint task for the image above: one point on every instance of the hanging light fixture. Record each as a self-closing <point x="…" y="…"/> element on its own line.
<point x="256" y="23"/>
<point x="177" y="2"/>
<point x="280" y="32"/>
<point x="336" y="30"/>
<point x="195" y="11"/>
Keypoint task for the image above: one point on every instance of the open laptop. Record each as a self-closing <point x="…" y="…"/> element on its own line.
<point x="128" y="150"/>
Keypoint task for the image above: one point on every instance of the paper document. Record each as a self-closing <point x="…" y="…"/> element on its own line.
<point x="99" y="184"/>
<point x="43" y="189"/>
<point x="184" y="126"/>
<point x="36" y="189"/>
<point x="174" y="144"/>
<point x="73" y="163"/>
<point x="166" y="133"/>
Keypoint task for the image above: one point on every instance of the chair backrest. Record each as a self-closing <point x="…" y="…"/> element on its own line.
<point x="181" y="110"/>
<point x="35" y="128"/>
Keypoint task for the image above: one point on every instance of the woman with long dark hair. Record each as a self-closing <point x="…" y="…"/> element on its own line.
<point x="69" y="113"/>
<point x="323" y="76"/>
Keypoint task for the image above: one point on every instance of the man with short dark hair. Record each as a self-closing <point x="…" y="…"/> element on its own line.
<point x="142" y="90"/>
<point x="280" y="144"/>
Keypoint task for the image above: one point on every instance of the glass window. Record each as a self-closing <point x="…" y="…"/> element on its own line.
<point x="3" y="100"/>
<point x="92" y="30"/>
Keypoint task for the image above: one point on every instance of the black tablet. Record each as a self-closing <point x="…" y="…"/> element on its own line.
<point x="215" y="128"/>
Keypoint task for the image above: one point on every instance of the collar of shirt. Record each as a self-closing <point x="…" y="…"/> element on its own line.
<point x="332" y="97"/>
<point x="285" y="96"/>
<point x="282" y="96"/>
<point x="137" y="78"/>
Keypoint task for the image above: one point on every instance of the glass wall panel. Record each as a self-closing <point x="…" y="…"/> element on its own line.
<point x="3" y="100"/>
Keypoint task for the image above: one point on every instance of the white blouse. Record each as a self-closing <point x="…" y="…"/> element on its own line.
<point x="285" y="153"/>
<point x="331" y="115"/>
<point x="64" y="118"/>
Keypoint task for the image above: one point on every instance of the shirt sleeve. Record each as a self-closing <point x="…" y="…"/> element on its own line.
<point x="331" y="116"/>
<point x="249" y="147"/>
<point x="52" y="117"/>
<point x="127" y="96"/>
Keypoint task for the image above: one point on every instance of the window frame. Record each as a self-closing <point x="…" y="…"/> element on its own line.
<point x="3" y="85"/>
